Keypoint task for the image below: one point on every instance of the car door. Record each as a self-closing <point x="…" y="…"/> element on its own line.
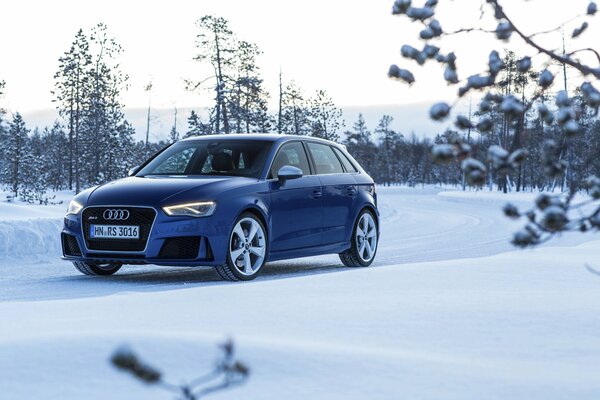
<point x="296" y="204"/>
<point x="339" y="193"/>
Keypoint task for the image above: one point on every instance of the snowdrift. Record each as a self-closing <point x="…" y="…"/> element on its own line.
<point x="33" y="237"/>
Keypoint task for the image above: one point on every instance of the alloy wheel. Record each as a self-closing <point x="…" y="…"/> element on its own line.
<point x="247" y="246"/>
<point x="366" y="237"/>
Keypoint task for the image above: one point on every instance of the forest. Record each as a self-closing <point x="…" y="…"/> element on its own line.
<point x="92" y="142"/>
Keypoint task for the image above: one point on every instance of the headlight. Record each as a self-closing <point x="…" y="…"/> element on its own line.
<point x="199" y="209"/>
<point x="74" y="208"/>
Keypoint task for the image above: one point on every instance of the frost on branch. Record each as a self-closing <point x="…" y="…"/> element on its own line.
<point x="420" y="57"/>
<point x="511" y="211"/>
<point x="227" y="373"/>
<point x="444" y="153"/>
<point x="405" y="75"/>
<point x="439" y="111"/>
<point x="476" y="82"/>
<point x="512" y="106"/>
<point x="566" y="116"/>
<point x="434" y="29"/>
<point x="495" y="63"/>
<point x="593" y="185"/>
<point x="591" y="96"/>
<point x="475" y="171"/>
<point x="554" y="219"/>
<point x="545" y="114"/>
<point x="450" y="75"/>
<point x="463" y="122"/>
<point x="546" y="79"/>
<point x="524" y="64"/>
<point x="498" y="157"/>
<point x="485" y="124"/>
<point x="420" y="14"/>
<point x="580" y="30"/>
<point x="504" y="118"/>
<point x="504" y="30"/>
<point x="526" y="237"/>
<point x="400" y="6"/>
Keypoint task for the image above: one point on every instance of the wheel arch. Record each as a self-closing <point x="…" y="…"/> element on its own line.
<point x="258" y="212"/>
<point x="373" y="210"/>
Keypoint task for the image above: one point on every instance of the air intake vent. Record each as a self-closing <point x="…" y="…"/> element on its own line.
<point x="184" y="247"/>
<point x="70" y="246"/>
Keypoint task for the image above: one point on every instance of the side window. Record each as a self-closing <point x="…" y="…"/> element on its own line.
<point x="177" y="163"/>
<point x="347" y="164"/>
<point x="290" y="154"/>
<point x="326" y="161"/>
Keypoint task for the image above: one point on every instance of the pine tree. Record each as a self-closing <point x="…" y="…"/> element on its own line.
<point x="325" y="117"/>
<point x="216" y="45"/>
<point x="295" y="112"/>
<point x="71" y="80"/>
<point x="15" y="147"/>
<point x="389" y="141"/>
<point x="196" y="127"/>
<point x="359" y="144"/>
<point x="55" y="158"/>
<point x="88" y="87"/>
<point x="249" y="101"/>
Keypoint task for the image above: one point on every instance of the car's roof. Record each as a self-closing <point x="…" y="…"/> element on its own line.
<point x="255" y="136"/>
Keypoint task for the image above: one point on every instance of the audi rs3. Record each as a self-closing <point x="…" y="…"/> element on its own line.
<point x="233" y="202"/>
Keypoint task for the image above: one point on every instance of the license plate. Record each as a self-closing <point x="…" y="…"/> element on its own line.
<point x="114" y="232"/>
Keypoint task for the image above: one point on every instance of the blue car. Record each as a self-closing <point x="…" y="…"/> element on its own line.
<point x="229" y="201"/>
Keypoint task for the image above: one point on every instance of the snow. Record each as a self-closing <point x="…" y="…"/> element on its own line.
<point x="449" y="311"/>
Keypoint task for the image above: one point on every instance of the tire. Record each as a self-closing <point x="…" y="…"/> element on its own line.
<point x="97" y="269"/>
<point x="363" y="242"/>
<point x="247" y="250"/>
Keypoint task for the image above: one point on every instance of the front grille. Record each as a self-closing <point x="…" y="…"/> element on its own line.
<point x="142" y="217"/>
<point x="183" y="247"/>
<point x="70" y="246"/>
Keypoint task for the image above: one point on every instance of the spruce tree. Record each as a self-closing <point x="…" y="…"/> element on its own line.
<point x="15" y="148"/>
<point x="325" y="118"/>
<point x="71" y="82"/>
<point x="217" y="46"/>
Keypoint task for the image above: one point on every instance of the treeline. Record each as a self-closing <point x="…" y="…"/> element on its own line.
<point x="93" y="143"/>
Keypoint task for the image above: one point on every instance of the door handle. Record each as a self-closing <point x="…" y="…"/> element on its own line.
<point x="317" y="193"/>
<point x="351" y="190"/>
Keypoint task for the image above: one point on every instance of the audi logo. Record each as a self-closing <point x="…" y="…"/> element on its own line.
<point x="116" y="215"/>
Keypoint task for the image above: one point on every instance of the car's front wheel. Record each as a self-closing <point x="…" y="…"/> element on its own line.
<point x="363" y="242"/>
<point x="97" y="269"/>
<point x="247" y="250"/>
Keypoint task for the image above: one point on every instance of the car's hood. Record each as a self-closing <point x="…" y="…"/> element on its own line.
<point x="158" y="190"/>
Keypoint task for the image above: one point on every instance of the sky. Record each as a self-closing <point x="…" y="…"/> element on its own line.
<point x="344" y="47"/>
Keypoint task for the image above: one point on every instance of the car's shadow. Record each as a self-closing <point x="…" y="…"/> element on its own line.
<point x="153" y="279"/>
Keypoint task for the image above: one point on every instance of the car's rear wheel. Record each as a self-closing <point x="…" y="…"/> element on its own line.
<point x="247" y="250"/>
<point x="364" y="242"/>
<point x="97" y="269"/>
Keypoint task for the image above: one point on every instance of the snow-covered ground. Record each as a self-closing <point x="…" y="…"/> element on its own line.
<point x="448" y="311"/>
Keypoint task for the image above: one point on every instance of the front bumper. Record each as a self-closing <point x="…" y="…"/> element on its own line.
<point x="209" y="234"/>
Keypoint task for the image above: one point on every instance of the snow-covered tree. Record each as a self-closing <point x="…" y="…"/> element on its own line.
<point x="14" y="147"/>
<point x="295" y="113"/>
<point x="325" y="118"/>
<point x="217" y="45"/>
<point x="87" y="91"/>
<point x="359" y="144"/>
<point x="196" y="127"/>
<point x="71" y="80"/>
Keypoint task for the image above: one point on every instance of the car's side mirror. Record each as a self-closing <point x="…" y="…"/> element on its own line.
<point x="288" y="172"/>
<point x="133" y="170"/>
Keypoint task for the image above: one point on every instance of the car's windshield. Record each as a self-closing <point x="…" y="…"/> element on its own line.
<point x="211" y="157"/>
